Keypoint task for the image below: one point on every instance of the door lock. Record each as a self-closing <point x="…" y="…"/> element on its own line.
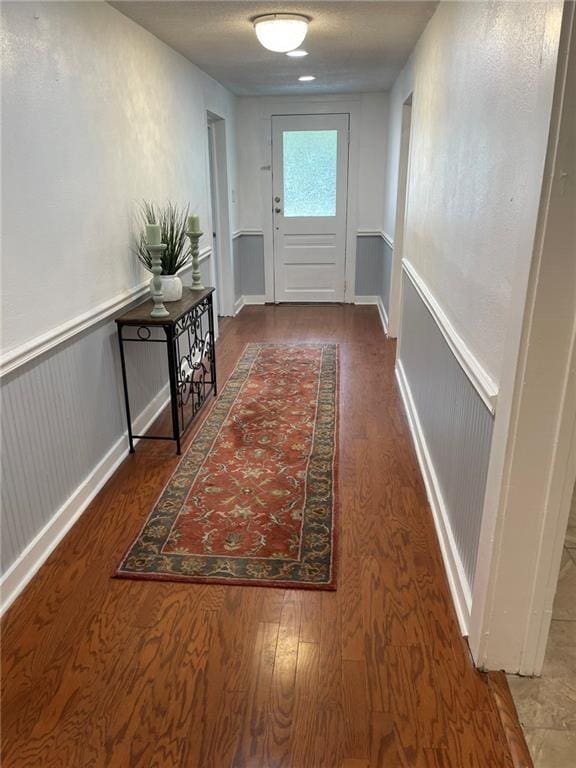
<point x="276" y="199"/>
<point x="277" y="210"/>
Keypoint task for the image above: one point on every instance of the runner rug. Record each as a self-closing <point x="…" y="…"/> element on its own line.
<point x="253" y="499"/>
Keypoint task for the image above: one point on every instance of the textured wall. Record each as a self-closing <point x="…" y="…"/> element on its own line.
<point x="254" y="136"/>
<point x="368" y="120"/>
<point x="457" y="425"/>
<point x="96" y="115"/>
<point x="482" y="76"/>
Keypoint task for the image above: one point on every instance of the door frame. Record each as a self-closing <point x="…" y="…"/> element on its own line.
<point x="313" y="105"/>
<point x="528" y="492"/>
<point x="395" y="297"/>
<point x="221" y="273"/>
<point x="345" y="191"/>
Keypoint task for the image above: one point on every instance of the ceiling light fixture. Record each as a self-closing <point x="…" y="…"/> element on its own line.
<point x="306" y="78"/>
<point x="281" y="32"/>
<point x="297" y="54"/>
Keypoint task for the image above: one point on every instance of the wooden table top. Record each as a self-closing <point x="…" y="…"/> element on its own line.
<point x="140" y="315"/>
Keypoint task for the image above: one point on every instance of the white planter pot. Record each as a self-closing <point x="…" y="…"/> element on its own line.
<point x="171" y="287"/>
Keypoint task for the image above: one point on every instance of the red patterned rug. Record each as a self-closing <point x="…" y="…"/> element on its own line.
<point x="253" y="500"/>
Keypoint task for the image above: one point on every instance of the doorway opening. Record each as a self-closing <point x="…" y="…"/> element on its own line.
<point x="395" y="300"/>
<point x="218" y="270"/>
<point x="310" y="191"/>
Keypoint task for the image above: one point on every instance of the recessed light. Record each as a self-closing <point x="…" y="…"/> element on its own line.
<point x="297" y="54"/>
<point x="306" y="78"/>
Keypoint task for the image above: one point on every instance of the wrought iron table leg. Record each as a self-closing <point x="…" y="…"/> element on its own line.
<point x="125" y="385"/>
<point x="172" y="373"/>
<point x="212" y="344"/>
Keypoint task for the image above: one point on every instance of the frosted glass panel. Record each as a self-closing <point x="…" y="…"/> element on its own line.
<point x="310" y="173"/>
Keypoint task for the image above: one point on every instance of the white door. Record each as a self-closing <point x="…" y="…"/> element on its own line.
<point x="309" y="188"/>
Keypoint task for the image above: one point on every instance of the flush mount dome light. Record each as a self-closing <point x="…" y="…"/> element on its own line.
<point x="281" y="32"/>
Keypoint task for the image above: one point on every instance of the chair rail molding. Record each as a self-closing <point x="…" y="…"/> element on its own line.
<point x="479" y="377"/>
<point x="388" y="238"/>
<point x="368" y="232"/>
<point x="24" y="353"/>
<point x="248" y="231"/>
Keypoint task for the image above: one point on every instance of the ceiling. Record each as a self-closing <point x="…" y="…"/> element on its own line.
<point x="353" y="46"/>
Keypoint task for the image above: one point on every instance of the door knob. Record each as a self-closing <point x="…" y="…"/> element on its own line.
<point x="277" y="210"/>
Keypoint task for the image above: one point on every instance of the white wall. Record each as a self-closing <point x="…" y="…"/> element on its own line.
<point x="372" y="160"/>
<point x="97" y="115"/>
<point x="482" y="76"/>
<point x="366" y="180"/>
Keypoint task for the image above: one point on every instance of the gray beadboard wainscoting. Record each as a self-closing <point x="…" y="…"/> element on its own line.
<point x="236" y="261"/>
<point x="386" y="274"/>
<point x="453" y="429"/>
<point x="369" y="265"/>
<point x="62" y="413"/>
<point x="248" y="253"/>
<point x="64" y="431"/>
<point x="373" y="270"/>
<point x="373" y="267"/>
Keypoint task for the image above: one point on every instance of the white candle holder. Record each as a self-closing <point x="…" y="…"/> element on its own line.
<point x="156" y="251"/>
<point x="196" y="276"/>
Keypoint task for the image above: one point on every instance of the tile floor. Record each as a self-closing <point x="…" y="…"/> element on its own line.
<point x="547" y="705"/>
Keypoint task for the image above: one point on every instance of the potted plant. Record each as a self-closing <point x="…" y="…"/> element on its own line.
<point x="172" y="221"/>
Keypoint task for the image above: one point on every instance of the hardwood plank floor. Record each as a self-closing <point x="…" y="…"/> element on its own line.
<point x="104" y="672"/>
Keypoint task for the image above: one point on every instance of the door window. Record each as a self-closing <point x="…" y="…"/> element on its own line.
<point x="309" y="165"/>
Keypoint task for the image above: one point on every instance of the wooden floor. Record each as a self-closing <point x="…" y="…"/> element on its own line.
<point x="104" y="672"/>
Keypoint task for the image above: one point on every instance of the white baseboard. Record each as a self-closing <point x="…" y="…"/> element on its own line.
<point x="24" y="568"/>
<point x="246" y="301"/>
<point x="383" y="315"/>
<point x="377" y="302"/>
<point x="457" y="580"/>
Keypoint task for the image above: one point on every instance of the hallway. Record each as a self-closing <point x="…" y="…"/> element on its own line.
<point x="105" y="672"/>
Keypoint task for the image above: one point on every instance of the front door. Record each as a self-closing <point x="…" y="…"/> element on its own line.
<point x="309" y="189"/>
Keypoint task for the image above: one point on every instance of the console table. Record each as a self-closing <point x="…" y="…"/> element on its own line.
<point x="188" y="334"/>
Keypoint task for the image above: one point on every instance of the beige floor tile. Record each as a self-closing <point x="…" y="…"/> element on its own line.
<point x="544" y="702"/>
<point x="570" y="540"/>
<point x="560" y="660"/>
<point x="565" y="600"/>
<point x="557" y="749"/>
<point x="547" y="705"/>
<point x="534" y="738"/>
